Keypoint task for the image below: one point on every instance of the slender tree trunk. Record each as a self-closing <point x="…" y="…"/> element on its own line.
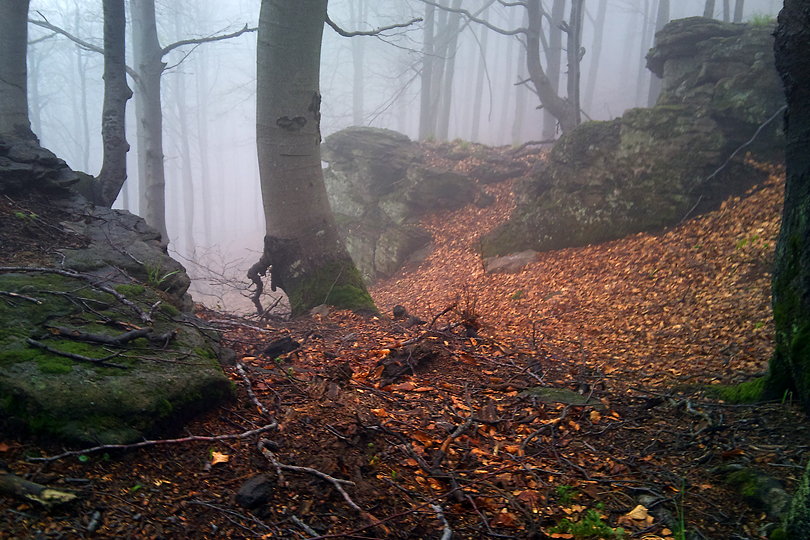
<point x="479" y="82"/>
<point x="790" y="365"/>
<point x="428" y="58"/>
<point x="34" y="100"/>
<point x="660" y="20"/>
<point x="739" y="7"/>
<point x="452" y="31"/>
<point x="206" y="207"/>
<point x="149" y="65"/>
<point x="708" y="10"/>
<point x="644" y="75"/>
<point x="13" y="70"/>
<point x="84" y="117"/>
<point x="113" y="116"/>
<point x="309" y="261"/>
<point x="520" y="93"/>
<point x="358" y="16"/>
<point x="574" y="57"/>
<point x="595" y="53"/>
<point x="560" y="108"/>
<point x="726" y="10"/>
<point x="553" y="62"/>
<point x="440" y="46"/>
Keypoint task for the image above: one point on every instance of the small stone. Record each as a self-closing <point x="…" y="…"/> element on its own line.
<point x="255" y="492"/>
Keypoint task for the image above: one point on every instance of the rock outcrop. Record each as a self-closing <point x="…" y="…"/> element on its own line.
<point x="378" y="184"/>
<point x="653" y="167"/>
<point x="97" y="345"/>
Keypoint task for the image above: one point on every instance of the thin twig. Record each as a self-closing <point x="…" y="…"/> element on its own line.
<point x="249" y="387"/>
<point x="447" y="534"/>
<point x="192" y="438"/>
<point x="78" y="357"/>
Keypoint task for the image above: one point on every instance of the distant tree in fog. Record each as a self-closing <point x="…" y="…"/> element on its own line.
<point x="13" y="70"/>
<point x="661" y="19"/>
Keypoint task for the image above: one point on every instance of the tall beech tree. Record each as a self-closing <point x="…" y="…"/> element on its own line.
<point x="13" y="70"/>
<point x="302" y="249"/>
<point x="790" y="365"/>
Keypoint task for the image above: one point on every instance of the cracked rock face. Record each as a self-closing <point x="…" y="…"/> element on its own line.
<point x="378" y="185"/>
<point x="652" y="167"/>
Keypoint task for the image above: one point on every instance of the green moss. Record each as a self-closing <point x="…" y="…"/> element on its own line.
<point x="797" y="520"/>
<point x="131" y="290"/>
<point x="169" y="310"/>
<point x="336" y="284"/>
<point x="748" y="392"/>
<point x="54" y="365"/>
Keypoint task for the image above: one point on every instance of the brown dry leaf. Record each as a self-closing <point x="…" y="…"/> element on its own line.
<point x="219" y="457"/>
<point x="595" y="416"/>
<point x="4" y="447"/>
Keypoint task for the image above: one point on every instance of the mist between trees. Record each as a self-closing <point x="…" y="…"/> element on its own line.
<point x="459" y="73"/>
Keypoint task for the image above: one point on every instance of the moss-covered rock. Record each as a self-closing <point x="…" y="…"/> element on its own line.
<point x="652" y="167"/>
<point x="797" y="519"/>
<point x="141" y="388"/>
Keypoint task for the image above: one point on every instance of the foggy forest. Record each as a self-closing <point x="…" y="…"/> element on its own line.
<point x="405" y="269"/>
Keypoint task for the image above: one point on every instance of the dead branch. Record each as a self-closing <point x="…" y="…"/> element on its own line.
<point x="473" y="18"/>
<point x="197" y="41"/>
<point x="532" y="143"/>
<point x="19" y="487"/>
<point x="447" y="533"/>
<point x="375" y="32"/>
<point x="21" y="297"/>
<point x="241" y="370"/>
<point x="78" y="357"/>
<point x="336" y="482"/>
<point x="192" y="438"/>
<point x="119" y="340"/>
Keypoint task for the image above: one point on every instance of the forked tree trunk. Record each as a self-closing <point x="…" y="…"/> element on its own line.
<point x="116" y="94"/>
<point x="553" y="62"/>
<point x="790" y="365"/>
<point x="13" y="70"/>
<point x="302" y="247"/>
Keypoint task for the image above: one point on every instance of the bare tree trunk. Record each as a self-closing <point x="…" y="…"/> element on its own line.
<point x="13" y="70"/>
<point x="595" y="53"/>
<point x="557" y="106"/>
<point x="428" y="53"/>
<point x="660" y="20"/>
<point x="726" y="10"/>
<point x="479" y="82"/>
<point x="116" y="94"/>
<point x="554" y="62"/>
<point x="739" y="6"/>
<point x="302" y="247"/>
<point x="206" y="206"/>
<point x="708" y="10"/>
<point x="520" y="93"/>
<point x="452" y="31"/>
<point x="644" y="75"/>
<point x="149" y="64"/>
<point x="81" y="70"/>
<point x="440" y="46"/>
<point x="358" y="14"/>
<point x="574" y="56"/>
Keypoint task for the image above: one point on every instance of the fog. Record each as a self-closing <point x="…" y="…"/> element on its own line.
<point x="213" y="203"/>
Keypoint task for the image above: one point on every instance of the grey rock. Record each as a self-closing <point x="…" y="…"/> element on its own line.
<point x="653" y="167"/>
<point x="255" y="492"/>
<point x="509" y="264"/>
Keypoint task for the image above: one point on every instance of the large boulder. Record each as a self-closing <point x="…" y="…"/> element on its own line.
<point x="653" y="167"/>
<point x="97" y="344"/>
<point x="378" y="185"/>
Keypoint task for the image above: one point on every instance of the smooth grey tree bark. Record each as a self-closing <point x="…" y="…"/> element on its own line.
<point x="708" y="9"/>
<point x="553" y="56"/>
<point x="148" y="57"/>
<point x="302" y="248"/>
<point x="520" y="95"/>
<point x="426" y="91"/>
<point x="359" y="10"/>
<point x="661" y="19"/>
<point x="479" y="82"/>
<point x="575" y="52"/>
<point x="739" y="7"/>
<point x="595" y="53"/>
<point x="644" y="75"/>
<point x="726" y="10"/>
<point x="446" y="99"/>
<point x="113" y="116"/>
<point x="13" y="69"/>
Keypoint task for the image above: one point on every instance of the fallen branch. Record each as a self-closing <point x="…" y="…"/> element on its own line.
<point x="78" y="357"/>
<point x="19" y="487"/>
<point x="21" y="297"/>
<point x="336" y="482"/>
<point x="193" y="438"/>
<point x="447" y="534"/>
<point x="119" y="340"/>
<point x="241" y="370"/>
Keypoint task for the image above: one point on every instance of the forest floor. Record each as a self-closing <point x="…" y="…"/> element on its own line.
<point x="439" y="434"/>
